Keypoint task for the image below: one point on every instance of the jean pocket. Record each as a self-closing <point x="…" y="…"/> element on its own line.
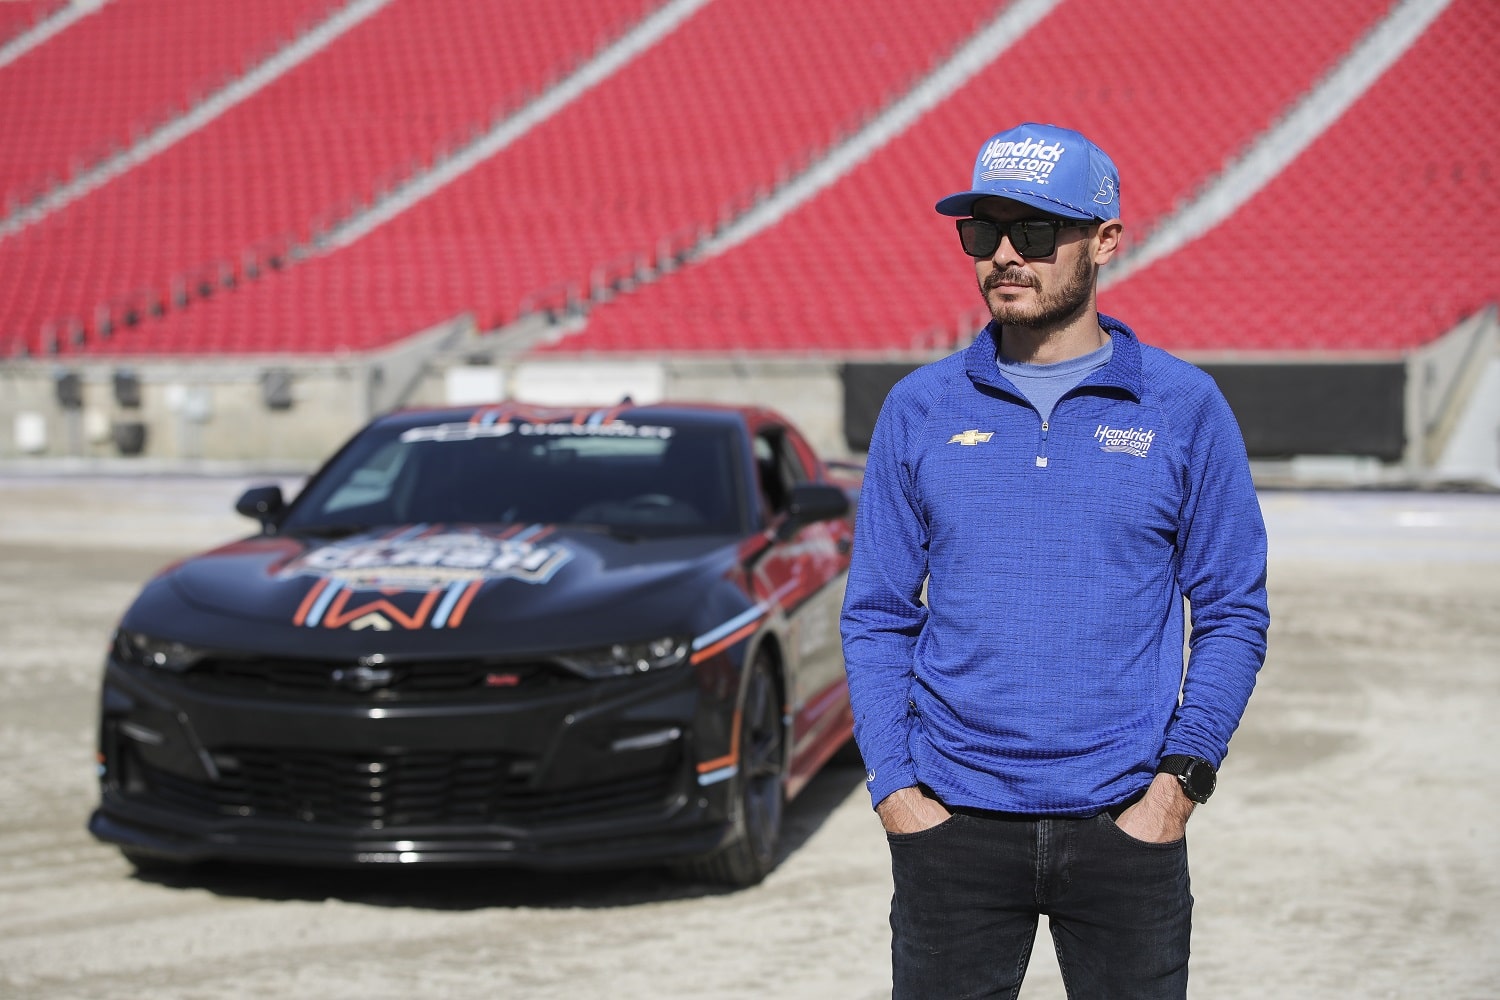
<point x="931" y="832"/>
<point x="1150" y="845"/>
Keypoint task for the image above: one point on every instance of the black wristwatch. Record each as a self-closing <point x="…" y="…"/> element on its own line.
<point x="1197" y="775"/>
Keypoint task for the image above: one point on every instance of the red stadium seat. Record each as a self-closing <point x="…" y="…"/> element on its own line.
<point x="891" y="276"/>
<point x="714" y="116"/>
<point x="118" y="72"/>
<point x="19" y="16"/>
<point x="1290" y="271"/>
<point x="416" y="79"/>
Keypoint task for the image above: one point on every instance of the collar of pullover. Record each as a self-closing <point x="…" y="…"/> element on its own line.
<point x="1122" y="372"/>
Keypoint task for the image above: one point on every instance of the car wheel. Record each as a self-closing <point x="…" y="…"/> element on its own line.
<point x="759" y="787"/>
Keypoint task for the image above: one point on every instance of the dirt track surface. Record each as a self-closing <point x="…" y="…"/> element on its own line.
<point x="1352" y="850"/>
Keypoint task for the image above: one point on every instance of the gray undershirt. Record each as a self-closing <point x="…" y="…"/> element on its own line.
<point x="1044" y="385"/>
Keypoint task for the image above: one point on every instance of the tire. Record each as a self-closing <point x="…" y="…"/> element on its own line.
<point x="759" y="788"/>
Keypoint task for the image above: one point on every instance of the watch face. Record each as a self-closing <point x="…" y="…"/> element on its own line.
<point x="1201" y="780"/>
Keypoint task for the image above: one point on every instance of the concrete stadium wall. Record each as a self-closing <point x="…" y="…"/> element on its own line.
<point x="1428" y="417"/>
<point x="1438" y="408"/>
<point x="220" y="412"/>
<point x="278" y="412"/>
<point x="186" y="412"/>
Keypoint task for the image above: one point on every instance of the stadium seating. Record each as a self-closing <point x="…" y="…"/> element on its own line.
<point x="120" y="71"/>
<point x="18" y="16"/>
<point x="738" y="97"/>
<point x="189" y="253"/>
<point x="869" y="267"/>
<point x="1324" y="258"/>
<point x="418" y="78"/>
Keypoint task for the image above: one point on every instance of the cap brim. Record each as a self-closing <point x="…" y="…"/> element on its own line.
<point x="961" y="205"/>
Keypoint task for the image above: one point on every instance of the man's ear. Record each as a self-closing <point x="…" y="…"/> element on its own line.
<point x="1107" y="240"/>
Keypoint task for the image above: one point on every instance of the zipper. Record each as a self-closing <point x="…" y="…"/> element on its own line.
<point x="1041" y="446"/>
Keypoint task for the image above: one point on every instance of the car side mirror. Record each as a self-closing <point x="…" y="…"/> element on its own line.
<point x="264" y="503"/>
<point x="811" y="502"/>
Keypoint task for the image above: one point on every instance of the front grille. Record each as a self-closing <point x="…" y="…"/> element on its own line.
<point x="286" y="677"/>
<point x="397" y="789"/>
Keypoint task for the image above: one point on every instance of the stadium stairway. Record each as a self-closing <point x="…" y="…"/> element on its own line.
<point x="911" y="290"/>
<point x="17" y="19"/>
<point x="377" y="90"/>
<point x="148" y="61"/>
<point x="678" y="139"/>
<point x="440" y="257"/>
<point x="1294" y="268"/>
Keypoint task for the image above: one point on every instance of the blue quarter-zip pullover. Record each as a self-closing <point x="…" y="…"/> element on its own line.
<point x="1042" y="672"/>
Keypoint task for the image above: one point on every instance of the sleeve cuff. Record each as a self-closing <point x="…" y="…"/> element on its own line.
<point x="882" y="781"/>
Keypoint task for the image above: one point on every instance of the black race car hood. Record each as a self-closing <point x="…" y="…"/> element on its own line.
<point x="461" y="580"/>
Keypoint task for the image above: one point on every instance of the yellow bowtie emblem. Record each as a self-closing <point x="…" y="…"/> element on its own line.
<point x="971" y="437"/>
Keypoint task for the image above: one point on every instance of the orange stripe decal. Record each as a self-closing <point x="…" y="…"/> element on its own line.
<point x="729" y="759"/>
<point x="338" y="617"/>
<point x="307" y="602"/>
<point x="724" y="643"/>
<point x="456" y="618"/>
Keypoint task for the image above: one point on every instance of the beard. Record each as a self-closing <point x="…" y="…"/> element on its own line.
<point x="1049" y="307"/>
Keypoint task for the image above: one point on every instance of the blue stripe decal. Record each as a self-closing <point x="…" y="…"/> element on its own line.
<point x="722" y="774"/>
<point x="324" y="599"/>
<point x="455" y="591"/>
<point x="737" y="622"/>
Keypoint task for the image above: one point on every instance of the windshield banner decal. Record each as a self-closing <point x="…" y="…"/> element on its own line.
<point x="471" y="430"/>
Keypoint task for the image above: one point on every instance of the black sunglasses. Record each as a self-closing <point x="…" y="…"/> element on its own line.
<point x="1032" y="238"/>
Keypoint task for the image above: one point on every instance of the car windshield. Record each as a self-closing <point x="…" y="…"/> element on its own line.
<point x="635" y="478"/>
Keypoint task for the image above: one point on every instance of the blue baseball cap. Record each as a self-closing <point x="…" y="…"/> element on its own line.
<point x="1053" y="169"/>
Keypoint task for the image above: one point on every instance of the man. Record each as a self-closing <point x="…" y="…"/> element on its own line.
<point x="1033" y="743"/>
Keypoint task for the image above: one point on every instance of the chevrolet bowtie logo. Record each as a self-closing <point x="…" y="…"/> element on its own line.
<point x="971" y="437"/>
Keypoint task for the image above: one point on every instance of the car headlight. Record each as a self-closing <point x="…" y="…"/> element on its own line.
<point x="624" y="658"/>
<point x="149" y="651"/>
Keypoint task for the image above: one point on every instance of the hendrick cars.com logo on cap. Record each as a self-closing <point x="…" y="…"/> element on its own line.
<point x="1027" y="160"/>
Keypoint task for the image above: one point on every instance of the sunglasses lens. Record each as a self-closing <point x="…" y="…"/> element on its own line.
<point x="1033" y="239"/>
<point x="980" y="237"/>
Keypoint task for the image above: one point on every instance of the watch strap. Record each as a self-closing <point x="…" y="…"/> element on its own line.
<point x="1198" y="776"/>
<point x="1177" y="763"/>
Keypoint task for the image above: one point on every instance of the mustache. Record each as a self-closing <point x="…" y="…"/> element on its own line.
<point x="1008" y="277"/>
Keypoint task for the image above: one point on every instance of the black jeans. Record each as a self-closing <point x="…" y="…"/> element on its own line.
<point x="969" y="892"/>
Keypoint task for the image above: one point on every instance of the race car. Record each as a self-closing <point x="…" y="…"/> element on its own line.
<point x="503" y="634"/>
